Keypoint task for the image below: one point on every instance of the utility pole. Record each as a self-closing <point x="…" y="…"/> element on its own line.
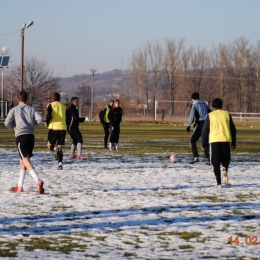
<point x="92" y="94"/>
<point x="22" y="51"/>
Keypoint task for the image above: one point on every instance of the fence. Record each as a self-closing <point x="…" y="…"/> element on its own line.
<point x="245" y="117"/>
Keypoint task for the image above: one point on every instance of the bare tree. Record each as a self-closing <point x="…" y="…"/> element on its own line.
<point x="220" y="70"/>
<point x="197" y="67"/>
<point x="139" y="73"/>
<point x="155" y="55"/>
<point x="239" y="58"/>
<point x="83" y="91"/>
<point x="256" y="65"/>
<point x="38" y="81"/>
<point x="172" y="64"/>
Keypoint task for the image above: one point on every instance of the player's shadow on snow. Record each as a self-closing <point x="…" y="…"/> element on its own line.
<point x="76" y="222"/>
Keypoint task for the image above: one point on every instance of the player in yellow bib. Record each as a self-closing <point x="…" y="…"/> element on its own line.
<point x="219" y="132"/>
<point x="56" y="122"/>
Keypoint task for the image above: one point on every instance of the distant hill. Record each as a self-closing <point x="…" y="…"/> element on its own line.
<point x="115" y="81"/>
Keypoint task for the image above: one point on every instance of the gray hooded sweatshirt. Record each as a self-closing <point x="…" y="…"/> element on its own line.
<point x="23" y="119"/>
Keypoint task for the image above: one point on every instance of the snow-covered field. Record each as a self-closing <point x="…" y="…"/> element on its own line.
<point x="117" y="206"/>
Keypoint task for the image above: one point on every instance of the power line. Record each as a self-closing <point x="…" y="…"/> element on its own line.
<point x="9" y="33"/>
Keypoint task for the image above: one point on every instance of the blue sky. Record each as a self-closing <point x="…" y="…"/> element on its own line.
<point x="74" y="36"/>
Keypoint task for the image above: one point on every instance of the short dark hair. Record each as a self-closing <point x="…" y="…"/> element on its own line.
<point x="117" y="101"/>
<point x="217" y="103"/>
<point x="74" y="98"/>
<point x="195" y="95"/>
<point x="22" y="96"/>
<point x="56" y="96"/>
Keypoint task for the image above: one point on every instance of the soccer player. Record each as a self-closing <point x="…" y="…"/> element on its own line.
<point x="103" y="116"/>
<point x="199" y="112"/>
<point x="220" y="132"/>
<point x="56" y="122"/>
<point x="115" y="117"/>
<point x="23" y="118"/>
<point x="73" y="121"/>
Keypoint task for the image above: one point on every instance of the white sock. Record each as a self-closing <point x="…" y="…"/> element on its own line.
<point x="79" y="148"/>
<point x="21" y="178"/>
<point x="110" y="145"/>
<point x="34" y="175"/>
<point x="73" y="148"/>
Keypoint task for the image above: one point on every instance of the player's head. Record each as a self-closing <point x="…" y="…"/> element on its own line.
<point x="217" y="103"/>
<point x="22" y="96"/>
<point x="117" y="103"/>
<point x="195" y="96"/>
<point x="75" y="101"/>
<point x="56" y="96"/>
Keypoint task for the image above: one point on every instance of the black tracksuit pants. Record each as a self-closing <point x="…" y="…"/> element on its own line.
<point x="106" y="130"/>
<point x="196" y="134"/>
<point x="220" y="154"/>
<point x="114" y="133"/>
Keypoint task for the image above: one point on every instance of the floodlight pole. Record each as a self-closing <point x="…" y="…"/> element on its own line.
<point x="22" y="58"/>
<point x="22" y="52"/>
<point x="92" y="94"/>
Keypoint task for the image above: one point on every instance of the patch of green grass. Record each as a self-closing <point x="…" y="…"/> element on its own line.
<point x="7" y="249"/>
<point x="240" y="234"/>
<point x="138" y="240"/>
<point x="61" y="207"/>
<point x="249" y="228"/>
<point x="211" y="198"/>
<point x="85" y="235"/>
<point x="63" y="244"/>
<point x="183" y="235"/>
<point x="165" y="245"/>
<point x="186" y="247"/>
<point x="246" y="197"/>
<point x="129" y="243"/>
<point x="237" y="212"/>
<point x="101" y="238"/>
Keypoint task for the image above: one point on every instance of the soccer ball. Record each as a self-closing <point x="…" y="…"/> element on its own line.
<point x="173" y="158"/>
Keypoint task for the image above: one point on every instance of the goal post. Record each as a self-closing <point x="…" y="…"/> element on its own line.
<point x="169" y="101"/>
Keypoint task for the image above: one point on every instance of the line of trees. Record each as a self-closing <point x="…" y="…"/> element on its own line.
<point x="173" y="71"/>
<point x="38" y="81"/>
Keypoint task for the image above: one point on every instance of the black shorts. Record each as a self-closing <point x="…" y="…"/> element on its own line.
<point x="25" y="145"/>
<point x="56" y="137"/>
<point x="76" y="136"/>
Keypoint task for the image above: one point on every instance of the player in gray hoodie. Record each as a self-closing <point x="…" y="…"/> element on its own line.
<point x="23" y="119"/>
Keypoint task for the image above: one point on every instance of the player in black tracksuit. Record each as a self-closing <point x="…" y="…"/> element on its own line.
<point x="115" y="117"/>
<point x="73" y="120"/>
<point x="199" y="112"/>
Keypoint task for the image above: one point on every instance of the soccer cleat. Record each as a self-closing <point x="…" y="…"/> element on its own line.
<point x="81" y="157"/>
<point x="71" y="156"/>
<point x="16" y="189"/>
<point x="207" y="162"/>
<point x="225" y="176"/>
<point x="60" y="167"/>
<point x="218" y="186"/>
<point x="40" y="187"/>
<point x="195" y="160"/>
